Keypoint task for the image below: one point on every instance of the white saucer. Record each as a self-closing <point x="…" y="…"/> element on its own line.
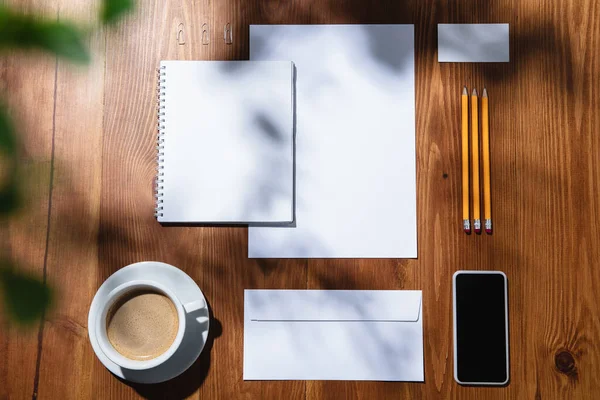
<point x="197" y="322"/>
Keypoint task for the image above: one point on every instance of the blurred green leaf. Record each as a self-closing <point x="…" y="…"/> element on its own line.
<point x="10" y="198"/>
<point x="25" y="297"/>
<point x="112" y="10"/>
<point x="22" y="31"/>
<point x="8" y="142"/>
<point x="9" y="188"/>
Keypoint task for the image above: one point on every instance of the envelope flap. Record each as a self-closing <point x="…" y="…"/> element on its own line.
<point x="333" y="305"/>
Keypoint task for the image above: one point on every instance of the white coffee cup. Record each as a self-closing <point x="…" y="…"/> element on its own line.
<point x="114" y="295"/>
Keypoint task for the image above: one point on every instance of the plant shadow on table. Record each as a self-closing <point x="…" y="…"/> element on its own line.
<point x="528" y="41"/>
<point x="189" y="381"/>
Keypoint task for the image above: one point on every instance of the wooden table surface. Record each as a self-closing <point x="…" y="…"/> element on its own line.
<point x="88" y="137"/>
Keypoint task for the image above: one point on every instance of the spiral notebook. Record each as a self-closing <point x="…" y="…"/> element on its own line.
<point x="225" y="142"/>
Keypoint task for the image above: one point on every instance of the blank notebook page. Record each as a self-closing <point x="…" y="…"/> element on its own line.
<point x="226" y="143"/>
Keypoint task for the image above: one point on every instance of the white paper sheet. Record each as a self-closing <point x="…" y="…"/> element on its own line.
<point x="473" y="43"/>
<point x="333" y="335"/>
<point x="355" y="141"/>
<point x="228" y="142"/>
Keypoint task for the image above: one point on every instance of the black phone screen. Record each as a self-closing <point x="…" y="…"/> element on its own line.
<point x="481" y="342"/>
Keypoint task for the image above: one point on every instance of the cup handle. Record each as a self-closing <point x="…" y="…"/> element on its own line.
<point x="194" y="305"/>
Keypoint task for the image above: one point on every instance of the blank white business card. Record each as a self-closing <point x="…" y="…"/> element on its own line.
<point x="473" y="43"/>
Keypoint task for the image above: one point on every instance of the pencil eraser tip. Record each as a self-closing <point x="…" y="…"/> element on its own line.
<point x="467" y="231"/>
<point x="478" y="230"/>
<point x="488" y="231"/>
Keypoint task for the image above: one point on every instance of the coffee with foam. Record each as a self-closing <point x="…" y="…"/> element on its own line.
<point x="142" y="324"/>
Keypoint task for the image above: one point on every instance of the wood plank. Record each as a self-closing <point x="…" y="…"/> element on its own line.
<point x="557" y="241"/>
<point x="27" y="87"/>
<point x="128" y="231"/>
<point x="215" y="257"/>
<point x="272" y="274"/>
<point x="447" y="248"/>
<point x="386" y="274"/>
<point x="67" y="357"/>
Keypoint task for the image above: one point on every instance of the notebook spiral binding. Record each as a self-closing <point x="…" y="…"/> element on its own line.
<point x="161" y="74"/>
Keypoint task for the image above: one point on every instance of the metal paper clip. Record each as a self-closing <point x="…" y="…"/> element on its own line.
<point x="227" y="34"/>
<point x="205" y="34"/>
<point x="180" y="34"/>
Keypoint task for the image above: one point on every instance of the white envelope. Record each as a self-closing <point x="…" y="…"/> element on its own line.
<point x="372" y="335"/>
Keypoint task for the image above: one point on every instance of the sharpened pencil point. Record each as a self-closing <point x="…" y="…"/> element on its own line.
<point x="474" y="92"/>
<point x="465" y="92"/>
<point x="484" y="92"/>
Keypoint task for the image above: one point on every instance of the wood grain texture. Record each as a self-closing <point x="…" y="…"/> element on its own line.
<point x="27" y="89"/>
<point x="544" y="139"/>
<point x="67" y="357"/>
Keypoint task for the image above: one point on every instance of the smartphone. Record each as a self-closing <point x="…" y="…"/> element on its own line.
<point x="480" y="313"/>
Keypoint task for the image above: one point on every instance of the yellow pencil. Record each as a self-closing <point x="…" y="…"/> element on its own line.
<point x="485" y="146"/>
<point x="465" y="160"/>
<point x="475" y="159"/>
